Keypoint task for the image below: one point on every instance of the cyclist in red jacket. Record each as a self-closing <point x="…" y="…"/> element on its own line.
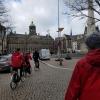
<point x="16" y="61"/>
<point x="27" y="65"/>
<point x="85" y="81"/>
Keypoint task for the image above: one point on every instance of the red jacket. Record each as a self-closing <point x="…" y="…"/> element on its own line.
<point x="16" y="60"/>
<point x="85" y="81"/>
<point x="27" y="58"/>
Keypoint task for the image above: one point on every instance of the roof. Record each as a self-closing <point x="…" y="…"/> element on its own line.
<point x="41" y="37"/>
<point x="67" y="36"/>
<point x="77" y="37"/>
<point x="16" y="35"/>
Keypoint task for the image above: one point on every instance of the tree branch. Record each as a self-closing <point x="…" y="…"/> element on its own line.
<point x="98" y="2"/>
<point x="82" y="5"/>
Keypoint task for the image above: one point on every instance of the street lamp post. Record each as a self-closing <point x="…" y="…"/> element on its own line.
<point x="59" y="38"/>
<point x="58" y="33"/>
<point x="26" y="41"/>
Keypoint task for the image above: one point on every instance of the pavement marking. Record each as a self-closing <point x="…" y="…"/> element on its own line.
<point x="52" y="66"/>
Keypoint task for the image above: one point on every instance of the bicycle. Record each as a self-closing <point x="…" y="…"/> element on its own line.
<point x="15" y="79"/>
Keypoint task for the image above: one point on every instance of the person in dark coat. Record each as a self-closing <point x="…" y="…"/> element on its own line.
<point x="36" y="58"/>
<point x="85" y="80"/>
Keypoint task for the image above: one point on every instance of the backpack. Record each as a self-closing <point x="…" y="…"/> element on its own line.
<point x="16" y="61"/>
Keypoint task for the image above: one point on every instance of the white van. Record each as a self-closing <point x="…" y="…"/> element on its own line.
<point x="44" y="54"/>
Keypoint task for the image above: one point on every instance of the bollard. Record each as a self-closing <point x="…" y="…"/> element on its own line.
<point x="60" y="62"/>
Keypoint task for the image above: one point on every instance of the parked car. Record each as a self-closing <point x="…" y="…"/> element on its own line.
<point x="5" y="63"/>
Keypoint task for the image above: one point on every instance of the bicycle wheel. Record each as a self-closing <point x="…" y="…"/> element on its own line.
<point x="13" y="85"/>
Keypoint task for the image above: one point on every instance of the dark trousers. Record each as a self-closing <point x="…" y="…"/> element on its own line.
<point x="20" y="69"/>
<point x="28" y="70"/>
<point x="36" y="63"/>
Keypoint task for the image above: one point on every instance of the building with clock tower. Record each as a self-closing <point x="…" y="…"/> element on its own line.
<point x="32" y="29"/>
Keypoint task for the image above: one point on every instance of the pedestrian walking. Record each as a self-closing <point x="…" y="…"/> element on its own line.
<point x="85" y="80"/>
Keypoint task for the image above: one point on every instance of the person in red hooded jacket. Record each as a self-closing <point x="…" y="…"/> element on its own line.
<point x="85" y="80"/>
<point x="17" y="61"/>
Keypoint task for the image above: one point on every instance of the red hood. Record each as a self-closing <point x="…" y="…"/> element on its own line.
<point x="93" y="57"/>
<point x="16" y="53"/>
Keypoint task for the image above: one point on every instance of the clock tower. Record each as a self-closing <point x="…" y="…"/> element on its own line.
<point x="32" y="29"/>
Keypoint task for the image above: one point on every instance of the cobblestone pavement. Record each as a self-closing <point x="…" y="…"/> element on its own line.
<point x="65" y="64"/>
<point x="46" y="84"/>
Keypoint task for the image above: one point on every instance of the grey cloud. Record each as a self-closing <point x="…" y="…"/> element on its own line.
<point x="42" y="12"/>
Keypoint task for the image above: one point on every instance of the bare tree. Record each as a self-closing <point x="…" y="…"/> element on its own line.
<point x="79" y="7"/>
<point x="5" y="18"/>
<point x="5" y="23"/>
<point x="3" y="12"/>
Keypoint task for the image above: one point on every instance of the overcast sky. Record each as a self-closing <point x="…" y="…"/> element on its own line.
<point x="44" y="15"/>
